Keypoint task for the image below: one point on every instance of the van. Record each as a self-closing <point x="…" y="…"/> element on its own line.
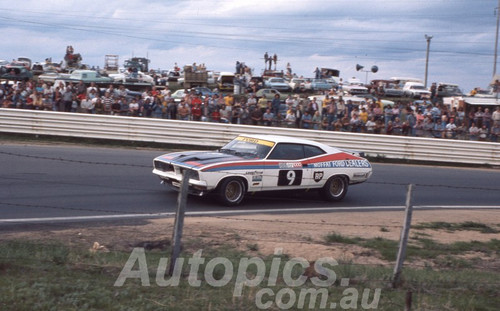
<point x="225" y="82"/>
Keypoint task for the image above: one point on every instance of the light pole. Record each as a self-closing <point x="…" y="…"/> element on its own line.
<point x="374" y="69"/>
<point x="428" y="38"/>
<point x="496" y="41"/>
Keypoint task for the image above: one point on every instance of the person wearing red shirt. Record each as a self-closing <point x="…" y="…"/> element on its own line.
<point x="196" y="112"/>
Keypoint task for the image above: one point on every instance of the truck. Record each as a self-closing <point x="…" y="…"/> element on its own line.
<point x="193" y="78"/>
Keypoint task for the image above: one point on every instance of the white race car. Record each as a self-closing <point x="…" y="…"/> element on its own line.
<point x="251" y="163"/>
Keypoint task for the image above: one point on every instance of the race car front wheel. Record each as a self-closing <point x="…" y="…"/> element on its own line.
<point x="335" y="188"/>
<point x="231" y="191"/>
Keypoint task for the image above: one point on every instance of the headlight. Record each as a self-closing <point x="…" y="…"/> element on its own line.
<point x="194" y="174"/>
<point x="162" y="166"/>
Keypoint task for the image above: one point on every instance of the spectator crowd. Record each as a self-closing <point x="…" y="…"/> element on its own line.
<point x="324" y="112"/>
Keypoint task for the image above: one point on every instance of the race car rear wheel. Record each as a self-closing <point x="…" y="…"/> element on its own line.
<point x="231" y="191"/>
<point x="335" y="188"/>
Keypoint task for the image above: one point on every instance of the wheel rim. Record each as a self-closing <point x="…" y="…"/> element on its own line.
<point x="234" y="190"/>
<point x="336" y="187"/>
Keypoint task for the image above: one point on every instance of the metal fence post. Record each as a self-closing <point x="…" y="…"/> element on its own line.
<point x="404" y="237"/>
<point x="179" y="219"/>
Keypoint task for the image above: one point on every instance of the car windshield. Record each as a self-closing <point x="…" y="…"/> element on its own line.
<point x="277" y="80"/>
<point x="248" y="147"/>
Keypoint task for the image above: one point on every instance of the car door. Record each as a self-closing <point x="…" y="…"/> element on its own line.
<point x="284" y="168"/>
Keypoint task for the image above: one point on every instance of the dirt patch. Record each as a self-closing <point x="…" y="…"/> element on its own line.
<point x="298" y="235"/>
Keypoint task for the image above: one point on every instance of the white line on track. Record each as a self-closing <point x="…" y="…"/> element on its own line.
<point x="238" y="212"/>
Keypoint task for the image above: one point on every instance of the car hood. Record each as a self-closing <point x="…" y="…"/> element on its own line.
<point x="198" y="159"/>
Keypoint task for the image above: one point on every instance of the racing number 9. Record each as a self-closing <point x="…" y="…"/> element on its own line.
<point x="290" y="178"/>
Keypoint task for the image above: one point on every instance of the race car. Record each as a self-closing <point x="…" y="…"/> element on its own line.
<point x="252" y="163"/>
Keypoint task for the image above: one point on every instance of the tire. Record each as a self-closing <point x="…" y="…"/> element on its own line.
<point x="231" y="191"/>
<point x="335" y="188"/>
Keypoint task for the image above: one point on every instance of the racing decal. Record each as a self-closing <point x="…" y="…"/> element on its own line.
<point x="254" y="173"/>
<point x="291" y="165"/>
<point x="342" y="164"/>
<point x="290" y="178"/>
<point x="318" y="176"/>
<point x="256" y="141"/>
<point x="257" y="178"/>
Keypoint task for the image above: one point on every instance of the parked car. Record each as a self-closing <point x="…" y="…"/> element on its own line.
<point x="269" y="93"/>
<point x="354" y="87"/>
<point x="387" y="88"/>
<point x="277" y="84"/>
<point x="125" y="76"/>
<point x="448" y="89"/>
<point x="297" y="85"/>
<point x="179" y="95"/>
<point x="15" y="72"/>
<point x="252" y="163"/>
<point x="415" y="90"/>
<point x="320" y="85"/>
<point x="203" y="91"/>
<point x="87" y="76"/>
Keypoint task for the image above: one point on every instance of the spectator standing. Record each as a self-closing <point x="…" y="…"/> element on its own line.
<point x="196" y="112"/>
<point x="478" y="117"/>
<point x="290" y="117"/>
<point x="275" y="105"/>
<point x="495" y="132"/>
<point x="495" y="116"/>
<point x="341" y="109"/>
<point x="183" y="111"/>
<point x="451" y="129"/>
<point x="487" y="116"/>
<point x="268" y="117"/>
<point x="172" y="109"/>
<point x="47" y="103"/>
<point x="473" y="132"/>
<point x="397" y="126"/>
<point x="67" y="98"/>
<point x="418" y="129"/>
<point x="298" y="116"/>
<point x="98" y="106"/>
<point x="483" y="133"/>
<point x="316" y="120"/>
<point x="306" y="120"/>
<point x="116" y="107"/>
<point x="387" y="115"/>
<point x="256" y="116"/>
<point x="370" y="125"/>
<point x="107" y="101"/>
<point x="262" y="103"/>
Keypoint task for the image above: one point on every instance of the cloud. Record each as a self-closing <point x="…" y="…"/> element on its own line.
<point x="306" y="34"/>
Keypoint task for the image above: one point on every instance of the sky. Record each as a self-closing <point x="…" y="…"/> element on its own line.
<point x="307" y="34"/>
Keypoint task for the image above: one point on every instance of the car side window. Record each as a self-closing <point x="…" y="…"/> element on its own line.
<point x="284" y="151"/>
<point x="312" y="151"/>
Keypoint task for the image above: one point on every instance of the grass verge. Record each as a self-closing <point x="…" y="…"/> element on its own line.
<point x="53" y="276"/>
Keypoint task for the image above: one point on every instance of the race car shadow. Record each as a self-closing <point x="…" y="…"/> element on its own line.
<point x="268" y="200"/>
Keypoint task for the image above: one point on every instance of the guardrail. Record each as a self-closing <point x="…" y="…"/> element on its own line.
<point x="217" y="134"/>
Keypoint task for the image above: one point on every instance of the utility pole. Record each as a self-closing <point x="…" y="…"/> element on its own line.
<point x="496" y="40"/>
<point x="428" y="38"/>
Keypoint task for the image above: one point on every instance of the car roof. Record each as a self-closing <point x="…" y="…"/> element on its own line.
<point x="289" y="139"/>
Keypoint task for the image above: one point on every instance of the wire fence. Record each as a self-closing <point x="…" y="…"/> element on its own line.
<point x="252" y="238"/>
